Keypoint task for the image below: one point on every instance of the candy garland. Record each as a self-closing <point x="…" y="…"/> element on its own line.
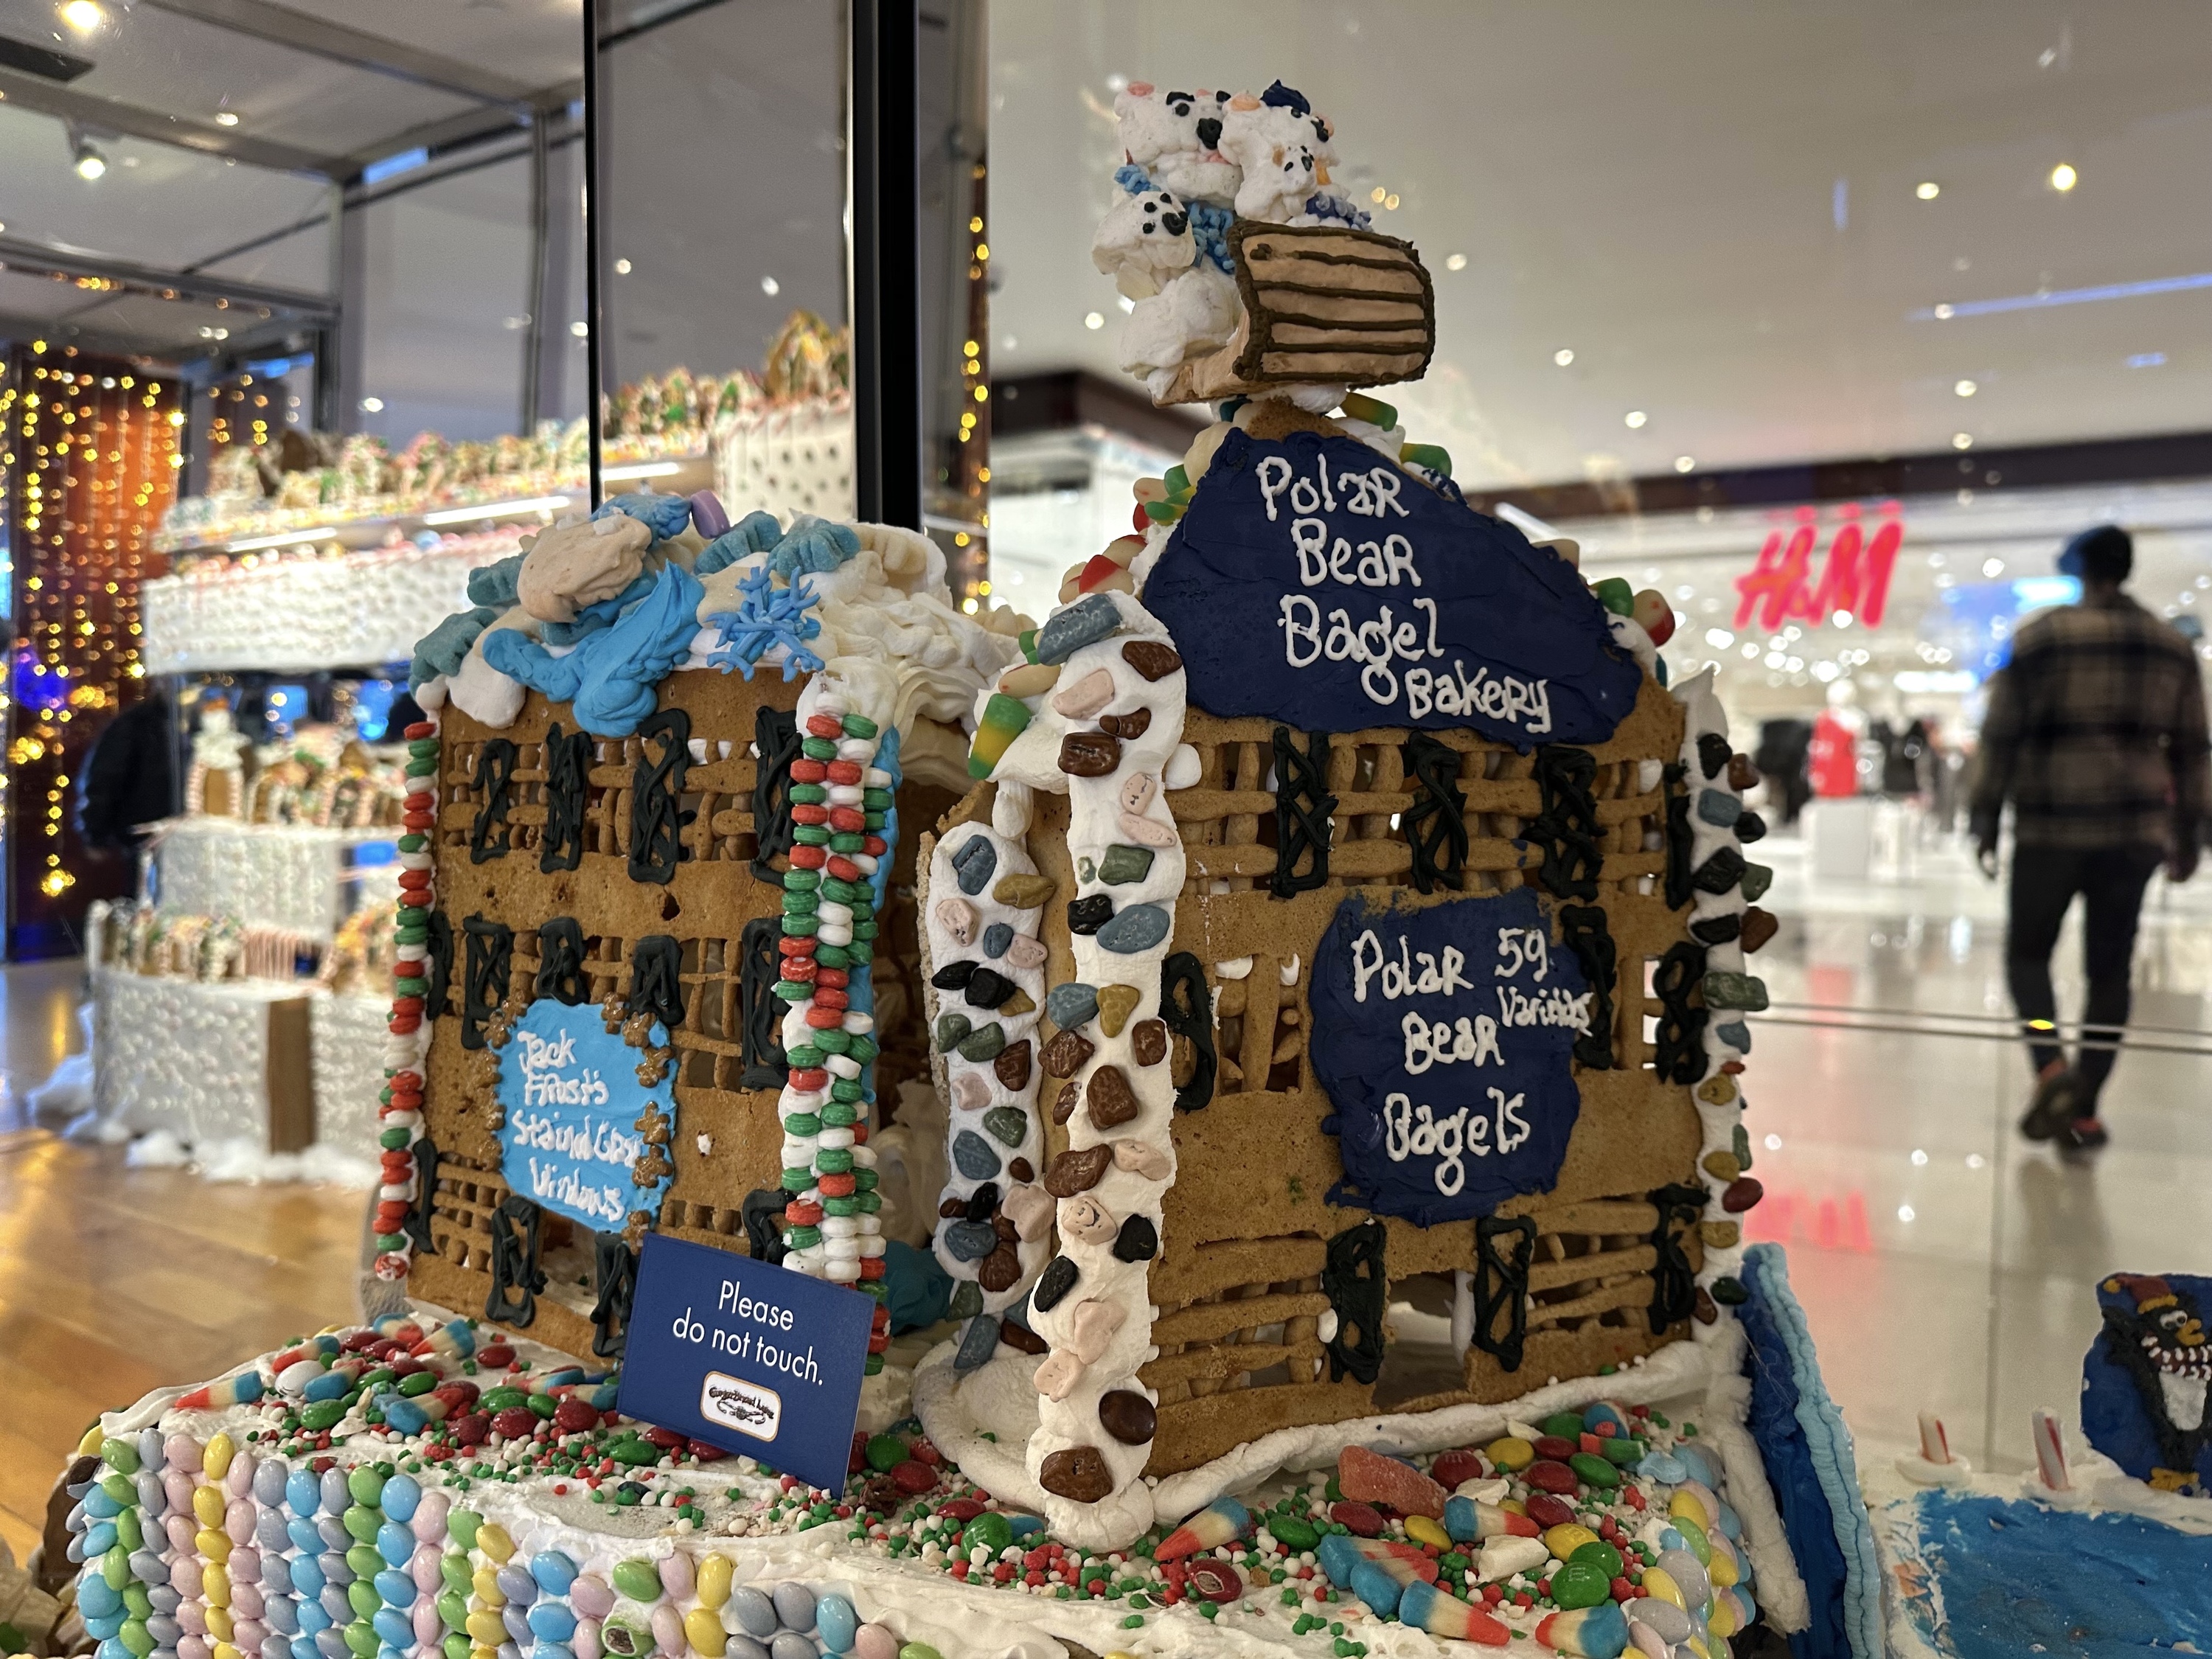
<point x="986" y="981"/>
<point x="399" y="1113"/>
<point x="841" y="812"/>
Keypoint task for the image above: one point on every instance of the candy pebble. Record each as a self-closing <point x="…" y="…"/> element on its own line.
<point x="1372" y="1478"/>
<point x="1598" y="1632"/>
<point x="1425" y="1608"/>
<point x="1216" y="1524"/>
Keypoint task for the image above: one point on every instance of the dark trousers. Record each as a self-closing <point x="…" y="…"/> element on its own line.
<point x="2044" y="879"/>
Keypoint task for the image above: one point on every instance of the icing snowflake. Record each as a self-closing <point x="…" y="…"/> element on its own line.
<point x="767" y="616"/>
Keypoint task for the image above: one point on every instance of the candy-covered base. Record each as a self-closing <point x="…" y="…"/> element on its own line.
<point x="501" y="1507"/>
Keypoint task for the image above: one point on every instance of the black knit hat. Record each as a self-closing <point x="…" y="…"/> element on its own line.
<point x="2106" y="554"/>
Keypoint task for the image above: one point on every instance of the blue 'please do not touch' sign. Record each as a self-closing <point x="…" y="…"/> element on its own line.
<point x="1314" y="582"/>
<point x="750" y="1357"/>
<point x="1443" y="1036"/>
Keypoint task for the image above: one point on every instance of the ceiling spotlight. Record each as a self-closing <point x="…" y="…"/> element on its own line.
<point x="1965" y="388"/>
<point x="224" y="117"/>
<point x="1455" y="261"/>
<point x="1962" y="441"/>
<point x="1563" y="356"/>
<point x="1928" y="190"/>
<point x="622" y="267"/>
<point x="90" y="162"/>
<point x="1685" y="464"/>
<point x="1634" y="419"/>
<point x="1993" y="566"/>
<point x="770" y="287"/>
<point x="2062" y="177"/>
<point x="82" y="15"/>
<point x="1091" y="319"/>
<point x="372" y="405"/>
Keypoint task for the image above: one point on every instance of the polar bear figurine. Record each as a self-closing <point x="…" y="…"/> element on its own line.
<point x="1195" y="313"/>
<point x="1144" y="242"/>
<point x="1274" y="149"/>
<point x="1175" y="137"/>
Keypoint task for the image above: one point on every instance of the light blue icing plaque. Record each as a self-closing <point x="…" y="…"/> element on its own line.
<point x="569" y="1139"/>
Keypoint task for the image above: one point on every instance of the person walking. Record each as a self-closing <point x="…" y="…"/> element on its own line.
<point x="2096" y="735"/>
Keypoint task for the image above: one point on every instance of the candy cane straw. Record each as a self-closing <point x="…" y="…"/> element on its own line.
<point x="2049" y="1449"/>
<point x="1934" y="1444"/>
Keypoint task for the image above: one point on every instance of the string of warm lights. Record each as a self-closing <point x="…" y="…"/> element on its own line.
<point x="94" y="464"/>
<point x="970" y="469"/>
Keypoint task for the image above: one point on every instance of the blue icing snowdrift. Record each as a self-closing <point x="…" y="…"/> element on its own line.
<point x="1314" y="582"/>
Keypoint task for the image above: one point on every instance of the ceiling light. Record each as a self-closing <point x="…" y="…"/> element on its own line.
<point x="1091" y="319"/>
<point x="1377" y="195"/>
<point x="580" y="329"/>
<point x="1390" y="201"/>
<point x="2148" y="360"/>
<point x="1455" y="261"/>
<point x="1943" y="313"/>
<point x="770" y="287"/>
<point x="1993" y="566"/>
<point x="2062" y="177"/>
<point x="1962" y="441"/>
<point x="1685" y="464"/>
<point x="372" y="404"/>
<point x="1965" y="388"/>
<point x="622" y="267"/>
<point x="224" y="117"/>
<point x="82" y="15"/>
<point x="1563" y="356"/>
<point x="1928" y="190"/>
<point x="90" y="162"/>
<point x="1634" y="419"/>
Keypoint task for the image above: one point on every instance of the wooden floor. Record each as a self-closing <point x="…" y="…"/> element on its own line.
<point x="113" y="1281"/>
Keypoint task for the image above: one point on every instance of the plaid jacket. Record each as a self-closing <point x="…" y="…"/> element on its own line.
<point x="2096" y="731"/>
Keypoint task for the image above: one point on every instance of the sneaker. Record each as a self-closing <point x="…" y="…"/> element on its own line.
<point x="2052" y="1107"/>
<point x="2083" y="1134"/>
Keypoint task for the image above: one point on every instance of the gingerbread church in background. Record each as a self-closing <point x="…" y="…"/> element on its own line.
<point x="1322" y="937"/>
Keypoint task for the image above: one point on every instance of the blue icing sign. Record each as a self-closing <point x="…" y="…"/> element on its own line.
<point x="2144" y="1380"/>
<point x="747" y="1356"/>
<point x="1313" y="582"/>
<point x="1443" y="1036"/>
<point x="570" y="1100"/>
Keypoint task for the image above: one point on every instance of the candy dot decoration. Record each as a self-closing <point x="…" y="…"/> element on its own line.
<point x="399" y="1113"/>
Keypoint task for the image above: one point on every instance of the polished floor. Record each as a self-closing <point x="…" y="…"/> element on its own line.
<point x="1945" y="1264"/>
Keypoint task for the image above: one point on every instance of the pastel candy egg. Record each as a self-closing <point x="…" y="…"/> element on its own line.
<point x="182" y="1452"/>
<point x="430" y="1517"/>
<point x="794" y="1605"/>
<point x="428" y="1627"/>
<point x="1693" y="1536"/>
<point x="552" y="1622"/>
<point x="1689" y="1575"/>
<point x="789" y="1645"/>
<point x="555" y="1572"/>
<point x="704" y="1630"/>
<point x="1659" y="1586"/>
<point x="337" y="1497"/>
<point x="754" y="1610"/>
<point x="426" y="1567"/>
<point x="216" y="1456"/>
<point x="676" y="1577"/>
<point x="245" y="1565"/>
<point x="742" y="1646"/>
<point x="714" y="1580"/>
<point x="591" y="1598"/>
<point x="1700" y="1463"/>
<point x="269" y="1480"/>
<point x="668" y="1632"/>
<point x="875" y="1642"/>
<point x="1696" y="1502"/>
<point x="516" y="1585"/>
<point x="836" y="1623"/>
<point x="585" y="1642"/>
<point x="402" y="1494"/>
<point x="152" y="1495"/>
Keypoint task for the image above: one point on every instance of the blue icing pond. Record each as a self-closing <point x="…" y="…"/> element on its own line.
<point x="1443" y="1035"/>
<point x="569" y="1093"/>
<point x="1313" y="582"/>
<point x="2017" y="1579"/>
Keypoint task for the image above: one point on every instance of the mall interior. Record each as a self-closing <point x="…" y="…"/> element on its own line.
<point x="1821" y="331"/>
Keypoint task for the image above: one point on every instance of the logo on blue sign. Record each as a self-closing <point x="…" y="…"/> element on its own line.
<point x="571" y="1141"/>
<point x="1314" y="582"/>
<point x="1443" y="1036"/>
<point x="747" y="1356"/>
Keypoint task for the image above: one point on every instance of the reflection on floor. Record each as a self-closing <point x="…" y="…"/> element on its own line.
<point x="114" y="1282"/>
<point x="1945" y="1264"/>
